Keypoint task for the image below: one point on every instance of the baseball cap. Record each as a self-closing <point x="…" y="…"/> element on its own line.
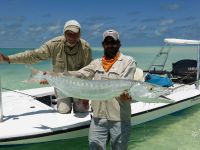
<point x="114" y="34"/>
<point x="72" y="25"/>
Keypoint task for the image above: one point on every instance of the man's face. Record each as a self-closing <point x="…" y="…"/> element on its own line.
<point x="111" y="47"/>
<point x="71" y="37"/>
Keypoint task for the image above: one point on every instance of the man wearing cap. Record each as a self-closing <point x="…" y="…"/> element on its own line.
<point x="110" y="117"/>
<point x="68" y="52"/>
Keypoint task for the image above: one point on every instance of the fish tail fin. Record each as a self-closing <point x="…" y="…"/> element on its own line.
<point x="31" y="77"/>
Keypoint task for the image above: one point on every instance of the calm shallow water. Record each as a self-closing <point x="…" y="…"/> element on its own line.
<point x="178" y="131"/>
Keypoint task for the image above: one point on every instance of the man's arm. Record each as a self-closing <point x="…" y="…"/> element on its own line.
<point x="31" y="56"/>
<point x="86" y="72"/>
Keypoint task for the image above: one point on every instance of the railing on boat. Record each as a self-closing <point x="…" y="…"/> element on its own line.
<point x="164" y="54"/>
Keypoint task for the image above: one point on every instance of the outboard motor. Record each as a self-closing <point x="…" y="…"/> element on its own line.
<point x="185" y="71"/>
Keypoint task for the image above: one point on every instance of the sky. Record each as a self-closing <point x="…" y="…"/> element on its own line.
<point x="30" y="23"/>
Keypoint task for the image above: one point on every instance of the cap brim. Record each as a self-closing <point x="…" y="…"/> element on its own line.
<point x="73" y="29"/>
<point x="110" y="36"/>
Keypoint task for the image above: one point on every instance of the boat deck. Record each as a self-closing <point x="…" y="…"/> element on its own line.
<point x="27" y="116"/>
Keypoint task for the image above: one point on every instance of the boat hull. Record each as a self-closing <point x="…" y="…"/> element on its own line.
<point x="164" y="110"/>
<point x="54" y="136"/>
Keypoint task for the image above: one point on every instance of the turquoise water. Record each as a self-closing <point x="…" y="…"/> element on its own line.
<point x="13" y="75"/>
<point x="178" y="131"/>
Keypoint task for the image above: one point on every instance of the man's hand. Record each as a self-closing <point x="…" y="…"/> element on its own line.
<point x="44" y="82"/>
<point x="4" y="58"/>
<point x="1" y="59"/>
<point x="85" y="103"/>
<point x="125" y="96"/>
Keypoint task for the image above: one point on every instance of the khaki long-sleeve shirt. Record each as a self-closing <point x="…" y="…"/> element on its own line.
<point x="115" y="109"/>
<point x="63" y="58"/>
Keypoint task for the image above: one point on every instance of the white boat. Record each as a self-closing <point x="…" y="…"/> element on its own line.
<point x="25" y="118"/>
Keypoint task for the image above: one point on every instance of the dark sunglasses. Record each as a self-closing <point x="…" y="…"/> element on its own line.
<point x="109" y="42"/>
<point x="71" y="34"/>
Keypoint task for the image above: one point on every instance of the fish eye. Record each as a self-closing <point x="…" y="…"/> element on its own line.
<point x="151" y="89"/>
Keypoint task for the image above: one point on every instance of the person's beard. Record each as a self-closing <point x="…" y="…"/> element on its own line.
<point x="70" y="45"/>
<point x="110" y="53"/>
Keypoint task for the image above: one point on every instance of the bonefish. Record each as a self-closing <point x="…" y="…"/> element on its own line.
<point x="71" y="86"/>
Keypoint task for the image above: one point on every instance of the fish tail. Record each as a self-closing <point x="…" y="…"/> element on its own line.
<point x="33" y="70"/>
<point x="32" y="77"/>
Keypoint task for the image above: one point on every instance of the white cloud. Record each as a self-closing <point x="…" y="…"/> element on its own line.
<point x="35" y="29"/>
<point x="142" y="27"/>
<point x="97" y="26"/>
<point x="172" y="7"/>
<point x="166" y="22"/>
<point x="54" y="28"/>
<point x="96" y="29"/>
<point x="161" y="31"/>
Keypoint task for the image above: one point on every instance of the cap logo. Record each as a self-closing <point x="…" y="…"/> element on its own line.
<point x="114" y="34"/>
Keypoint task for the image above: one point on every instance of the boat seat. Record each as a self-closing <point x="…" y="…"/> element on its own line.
<point x="184" y="71"/>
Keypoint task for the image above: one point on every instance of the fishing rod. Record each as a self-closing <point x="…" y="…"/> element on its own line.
<point x="20" y="92"/>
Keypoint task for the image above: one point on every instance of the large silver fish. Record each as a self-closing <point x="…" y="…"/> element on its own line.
<point x="103" y="89"/>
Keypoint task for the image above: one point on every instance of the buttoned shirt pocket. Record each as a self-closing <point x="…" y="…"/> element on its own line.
<point x="99" y="75"/>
